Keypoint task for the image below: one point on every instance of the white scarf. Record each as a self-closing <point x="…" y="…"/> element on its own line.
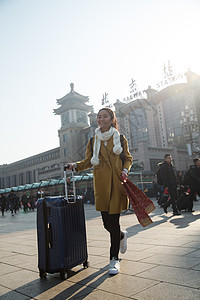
<point x="105" y="136"/>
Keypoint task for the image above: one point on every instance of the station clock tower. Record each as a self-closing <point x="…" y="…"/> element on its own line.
<point x="74" y="119"/>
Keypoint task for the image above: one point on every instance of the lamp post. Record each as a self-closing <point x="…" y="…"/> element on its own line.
<point x="189" y="125"/>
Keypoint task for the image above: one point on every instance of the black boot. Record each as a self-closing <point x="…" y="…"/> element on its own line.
<point x="176" y="213"/>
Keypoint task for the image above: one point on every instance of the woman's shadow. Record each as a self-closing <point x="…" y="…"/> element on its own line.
<point x="84" y="287"/>
<point x="77" y="290"/>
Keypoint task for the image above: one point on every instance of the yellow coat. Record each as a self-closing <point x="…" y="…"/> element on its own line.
<point x="108" y="190"/>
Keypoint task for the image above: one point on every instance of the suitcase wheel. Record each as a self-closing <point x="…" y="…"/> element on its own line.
<point x="43" y="274"/>
<point x="86" y="264"/>
<point x="63" y="275"/>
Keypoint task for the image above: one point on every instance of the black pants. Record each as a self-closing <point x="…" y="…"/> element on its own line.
<point x="25" y="204"/>
<point x="13" y="206"/>
<point x="111" y="224"/>
<point x="2" y="209"/>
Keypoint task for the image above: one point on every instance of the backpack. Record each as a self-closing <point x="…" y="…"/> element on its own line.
<point x="187" y="178"/>
<point x="122" y="155"/>
<point x="159" y="179"/>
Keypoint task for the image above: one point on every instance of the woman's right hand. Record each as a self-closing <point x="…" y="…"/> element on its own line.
<point x="69" y="166"/>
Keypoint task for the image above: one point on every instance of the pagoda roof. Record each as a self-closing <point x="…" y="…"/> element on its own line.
<point x="73" y="105"/>
<point x="72" y="96"/>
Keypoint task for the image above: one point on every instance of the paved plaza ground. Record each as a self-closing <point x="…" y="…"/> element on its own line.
<point x="162" y="260"/>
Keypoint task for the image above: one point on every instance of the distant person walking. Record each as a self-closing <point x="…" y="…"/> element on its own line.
<point x="194" y="182"/>
<point x="24" y="200"/>
<point x="31" y="201"/>
<point x="12" y="198"/>
<point x="3" y="203"/>
<point x="169" y="182"/>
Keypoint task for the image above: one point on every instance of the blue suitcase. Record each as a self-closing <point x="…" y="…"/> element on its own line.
<point x="61" y="234"/>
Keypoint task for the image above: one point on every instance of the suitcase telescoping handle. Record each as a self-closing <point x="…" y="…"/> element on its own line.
<point x="74" y="188"/>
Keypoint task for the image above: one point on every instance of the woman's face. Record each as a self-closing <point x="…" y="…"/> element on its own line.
<point x="104" y="120"/>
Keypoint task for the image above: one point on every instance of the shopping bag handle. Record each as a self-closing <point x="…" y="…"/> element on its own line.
<point x="123" y="180"/>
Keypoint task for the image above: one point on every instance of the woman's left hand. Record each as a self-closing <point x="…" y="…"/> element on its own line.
<point x="124" y="174"/>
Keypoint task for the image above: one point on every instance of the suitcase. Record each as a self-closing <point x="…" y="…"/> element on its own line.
<point x="61" y="234"/>
<point x="183" y="201"/>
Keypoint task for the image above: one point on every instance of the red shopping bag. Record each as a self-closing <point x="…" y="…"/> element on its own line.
<point x="140" y="203"/>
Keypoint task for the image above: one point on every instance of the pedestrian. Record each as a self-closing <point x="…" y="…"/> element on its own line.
<point x="24" y="200"/>
<point x="194" y="183"/>
<point x="2" y="204"/>
<point x="12" y="198"/>
<point x="169" y="181"/>
<point x="7" y="203"/>
<point x="112" y="161"/>
<point x="31" y="201"/>
<point x="17" y="203"/>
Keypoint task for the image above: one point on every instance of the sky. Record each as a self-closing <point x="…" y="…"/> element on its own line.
<point x="99" y="45"/>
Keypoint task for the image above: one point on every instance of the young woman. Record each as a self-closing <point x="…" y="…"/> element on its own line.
<point x="110" y="198"/>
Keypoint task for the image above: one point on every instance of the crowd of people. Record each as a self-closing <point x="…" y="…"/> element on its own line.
<point x="176" y="189"/>
<point x="14" y="203"/>
<point x="28" y="201"/>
